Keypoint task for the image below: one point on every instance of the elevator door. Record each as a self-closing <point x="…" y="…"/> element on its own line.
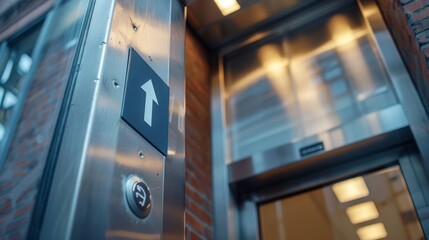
<point x="371" y="206"/>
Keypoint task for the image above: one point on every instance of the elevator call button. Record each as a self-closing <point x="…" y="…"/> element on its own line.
<point x="145" y="105"/>
<point x="138" y="197"/>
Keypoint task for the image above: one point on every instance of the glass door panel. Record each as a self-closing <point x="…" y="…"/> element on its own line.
<point x="368" y="207"/>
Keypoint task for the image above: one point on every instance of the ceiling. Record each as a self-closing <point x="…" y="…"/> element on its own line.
<point x="216" y="30"/>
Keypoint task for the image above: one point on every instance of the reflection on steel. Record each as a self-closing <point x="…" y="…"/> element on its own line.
<point x="341" y="82"/>
<point x="399" y="76"/>
<point x="174" y="165"/>
<point x="99" y="151"/>
<point x="365" y="127"/>
<point x="303" y="83"/>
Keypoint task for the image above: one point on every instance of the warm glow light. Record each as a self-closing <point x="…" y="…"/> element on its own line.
<point x="351" y="189"/>
<point x="362" y="212"/>
<point x="171" y="152"/>
<point x="372" y="232"/>
<point x="340" y="29"/>
<point x="227" y="6"/>
<point x="275" y="67"/>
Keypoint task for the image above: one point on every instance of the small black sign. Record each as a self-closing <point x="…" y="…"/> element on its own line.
<point x="145" y="105"/>
<point x="313" y="148"/>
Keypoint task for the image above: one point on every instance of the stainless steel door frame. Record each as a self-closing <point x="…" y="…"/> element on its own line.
<point x="400" y="78"/>
<point x="406" y="157"/>
<point x="227" y="210"/>
<point x="99" y="151"/>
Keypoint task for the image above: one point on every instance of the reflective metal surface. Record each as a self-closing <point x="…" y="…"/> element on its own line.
<point x="371" y="125"/>
<point x="404" y="88"/>
<point x="138" y="196"/>
<point x="401" y="81"/>
<point x="174" y="165"/>
<point x="382" y="112"/>
<point x="311" y="79"/>
<point x="224" y="208"/>
<point x="100" y="151"/>
<point x="216" y="30"/>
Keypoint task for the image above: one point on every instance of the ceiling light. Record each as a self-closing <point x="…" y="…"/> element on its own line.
<point x="351" y="189"/>
<point x="227" y="6"/>
<point x="372" y="232"/>
<point x="362" y="212"/>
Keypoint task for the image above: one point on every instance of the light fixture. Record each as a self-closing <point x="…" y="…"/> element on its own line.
<point x="351" y="189"/>
<point x="362" y="212"/>
<point x="227" y="6"/>
<point x="372" y="232"/>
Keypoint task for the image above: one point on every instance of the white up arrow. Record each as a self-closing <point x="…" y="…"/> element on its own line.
<point x="150" y="98"/>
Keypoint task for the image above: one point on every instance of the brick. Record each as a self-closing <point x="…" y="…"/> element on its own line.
<point x="25" y="210"/>
<point x="5" y="206"/>
<point x="423" y="37"/>
<point x="6" y="186"/>
<point x="405" y="1"/>
<point x="193" y="222"/>
<point x="198" y="141"/>
<point x="198" y="211"/>
<point x="198" y="197"/>
<point x="17" y="224"/>
<point x="414" y="6"/>
<point x="195" y="236"/>
<point x="420" y="14"/>
<point x="425" y="50"/>
<point x="15" y="236"/>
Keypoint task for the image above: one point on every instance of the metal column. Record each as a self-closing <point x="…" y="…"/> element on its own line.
<point x="107" y="163"/>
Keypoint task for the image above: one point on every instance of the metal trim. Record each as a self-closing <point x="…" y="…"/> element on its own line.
<point x="398" y="156"/>
<point x="173" y="220"/>
<point x="289" y="170"/>
<point x="54" y="149"/>
<point x="401" y="80"/>
<point x="224" y="208"/>
<point x="73" y="173"/>
<point x="359" y="143"/>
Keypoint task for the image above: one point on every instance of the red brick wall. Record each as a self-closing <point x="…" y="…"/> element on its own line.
<point x="20" y="176"/>
<point x="198" y="186"/>
<point x="408" y="21"/>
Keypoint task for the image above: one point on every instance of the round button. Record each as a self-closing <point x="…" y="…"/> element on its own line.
<point x="138" y="197"/>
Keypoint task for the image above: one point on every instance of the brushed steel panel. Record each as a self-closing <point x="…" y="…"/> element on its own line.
<point x="401" y="80"/>
<point x="100" y="151"/>
<point x="311" y="79"/>
<point x="173" y="226"/>
<point x="365" y="127"/>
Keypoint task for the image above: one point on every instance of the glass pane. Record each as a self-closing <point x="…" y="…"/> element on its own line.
<point x="314" y="78"/>
<point x="368" y="207"/>
<point x="17" y="62"/>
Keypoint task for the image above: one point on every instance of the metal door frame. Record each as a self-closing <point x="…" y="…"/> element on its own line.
<point x="228" y="209"/>
<point x="406" y="157"/>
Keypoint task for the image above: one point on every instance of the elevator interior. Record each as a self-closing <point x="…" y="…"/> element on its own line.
<point x="318" y="132"/>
